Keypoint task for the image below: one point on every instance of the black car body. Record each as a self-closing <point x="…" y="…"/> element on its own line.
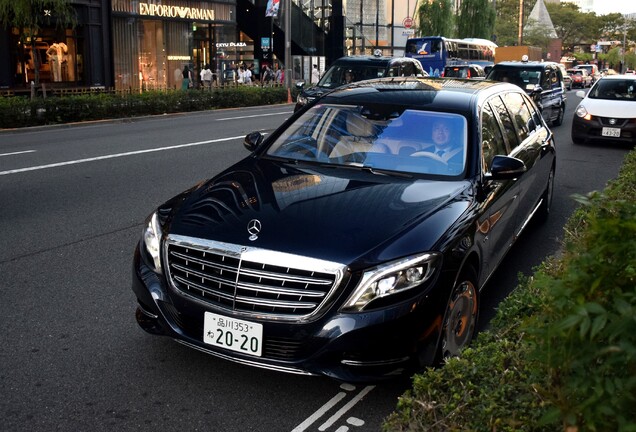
<point x="360" y="67"/>
<point x="543" y="81"/>
<point x="340" y="247"/>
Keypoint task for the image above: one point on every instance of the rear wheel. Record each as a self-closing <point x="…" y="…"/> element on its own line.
<point x="559" y="120"/>
<point x="546" y="199"/>
<point x="460" y="318"/>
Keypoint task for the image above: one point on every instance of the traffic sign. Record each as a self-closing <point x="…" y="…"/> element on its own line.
<point x="407" y="22"/>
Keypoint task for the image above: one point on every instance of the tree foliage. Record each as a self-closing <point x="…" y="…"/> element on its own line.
<point x="476" y="19"/>
<point x="507" y="20"/>
<point x="436" y="18"/>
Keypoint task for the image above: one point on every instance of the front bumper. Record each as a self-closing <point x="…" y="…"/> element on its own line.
<point x="355" y="347"/>
<point x="591" y="130"/>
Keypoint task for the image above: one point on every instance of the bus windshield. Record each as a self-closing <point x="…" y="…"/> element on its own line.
<point x="436" y="52"/>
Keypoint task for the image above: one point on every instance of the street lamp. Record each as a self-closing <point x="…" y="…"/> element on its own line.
<point x="623" y="50"/>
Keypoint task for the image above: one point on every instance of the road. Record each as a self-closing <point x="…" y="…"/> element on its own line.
<point x="72" y="202"/>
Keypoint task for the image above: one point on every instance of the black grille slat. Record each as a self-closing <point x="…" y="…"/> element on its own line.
<point x="223" y="279"/>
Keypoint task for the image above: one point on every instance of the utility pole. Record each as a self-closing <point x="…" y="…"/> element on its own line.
<point x="288" y="56"/>
<point x="520" y="34"/>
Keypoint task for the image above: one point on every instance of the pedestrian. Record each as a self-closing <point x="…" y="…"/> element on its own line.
<point x="268" y="76"/>
<point x="206" y="77"/>
<point x="279" y="75"/>
<point x="186" y="82"/>
<point x="247" y="78"/>
<point x="315" y="75"/>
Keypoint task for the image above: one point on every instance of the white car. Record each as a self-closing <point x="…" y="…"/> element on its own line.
<point x="607" y="112"/>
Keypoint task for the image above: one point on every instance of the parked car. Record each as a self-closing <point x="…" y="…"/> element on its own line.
<point x="543" y="81"/>
<point x="567" y="80"/>
<point x="580" y="78"/>
<point x="470" y="71"/>
<point x="630" y="72"/>
<point x="344" y="245"/>
<point x="357" y="68"/>
<point x="592" y="71"/>
<point x="607" y="112"/>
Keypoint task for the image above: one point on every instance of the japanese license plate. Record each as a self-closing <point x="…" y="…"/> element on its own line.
<point x="233" y="334"/>
<point x="611" y="132"/>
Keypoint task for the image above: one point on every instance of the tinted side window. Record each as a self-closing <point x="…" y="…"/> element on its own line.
<point x="509" y="129"/>
<point x="492" y="141"/>
<point x="520" y="113"/>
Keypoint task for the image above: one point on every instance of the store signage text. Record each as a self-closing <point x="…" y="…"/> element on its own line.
<point x="168" y="11"/>
<point x="230" y="44"/>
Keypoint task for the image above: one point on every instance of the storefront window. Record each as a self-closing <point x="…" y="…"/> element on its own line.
<point x="54" y="56"/>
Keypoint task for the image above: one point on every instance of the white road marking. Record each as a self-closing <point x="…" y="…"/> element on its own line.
<point x="345" y="408"/>
<point x="323" y="409"/>
<point x="17" y="153"/>
<point x="255" y="115"/>
<point x="117" y="155"/>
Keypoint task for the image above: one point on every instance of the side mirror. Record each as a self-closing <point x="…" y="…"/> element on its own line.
<point x="505" y="168"/>
<point x="580" y="94"/>
<point x="300" y="85"/>
<point x="253" y="140"/>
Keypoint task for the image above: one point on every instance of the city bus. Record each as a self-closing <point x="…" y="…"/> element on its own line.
<point x="436" y="52"/>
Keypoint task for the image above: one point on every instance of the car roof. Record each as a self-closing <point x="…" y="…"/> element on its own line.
<point x="619" y="77"/>
<point x="420" y="92"/>
<point x="528" y="64"/>
<point x="369" y="59"/>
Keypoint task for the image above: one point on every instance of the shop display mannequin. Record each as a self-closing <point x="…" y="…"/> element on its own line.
<point x="57" y="55"/>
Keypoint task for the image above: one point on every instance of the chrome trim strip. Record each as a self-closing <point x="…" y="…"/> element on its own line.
<point x="261" y="365"/>
<point x="374" y="363"/>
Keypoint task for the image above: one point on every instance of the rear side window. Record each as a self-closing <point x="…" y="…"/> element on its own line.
<point x="510" y="133"/>
<point x="492" y="141"/>
<point x="520" y="113"/>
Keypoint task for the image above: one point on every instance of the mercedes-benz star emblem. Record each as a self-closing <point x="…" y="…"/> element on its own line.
<point x="254" y="228"/>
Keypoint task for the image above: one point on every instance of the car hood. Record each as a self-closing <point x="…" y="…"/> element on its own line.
<point x="337" y="214"/>
<point x="610" y="108"/>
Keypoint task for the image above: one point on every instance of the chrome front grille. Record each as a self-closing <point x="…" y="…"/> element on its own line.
<point x="250" y="281"/>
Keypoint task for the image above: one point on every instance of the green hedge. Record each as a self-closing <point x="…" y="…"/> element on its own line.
<point x="561" y="352"/>
<point x="18" y="112"/>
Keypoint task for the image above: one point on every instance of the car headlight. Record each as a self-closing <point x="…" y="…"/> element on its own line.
<point x="151" y="240"/>
<point x="302" y="100"/>
<point x="392" y="278"/>
<point x="582" y="112"/>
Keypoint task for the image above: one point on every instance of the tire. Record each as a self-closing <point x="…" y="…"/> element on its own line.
<point x="546" y="204"/>
<point x="559" y="120"/>
<point x="460" y="317"/>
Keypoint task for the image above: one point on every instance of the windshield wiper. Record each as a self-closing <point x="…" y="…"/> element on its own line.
<point x="377" y="171"/>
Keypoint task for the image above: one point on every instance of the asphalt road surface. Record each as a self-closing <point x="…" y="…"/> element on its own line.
<point x="72" y="202"/>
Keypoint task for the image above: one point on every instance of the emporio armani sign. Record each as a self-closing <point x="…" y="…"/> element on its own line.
<point x="168" y="11"/>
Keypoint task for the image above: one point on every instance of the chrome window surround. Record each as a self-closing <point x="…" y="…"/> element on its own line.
<point x="296" y="268"/>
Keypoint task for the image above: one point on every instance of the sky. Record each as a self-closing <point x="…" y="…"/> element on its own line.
<point x="602" y="7"/>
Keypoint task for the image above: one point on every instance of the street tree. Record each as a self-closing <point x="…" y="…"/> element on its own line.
<point x="572" y="26"/>
<point x="30" y="16"/>
<point x="436" y="18"/>
<point x="507" y="20"/>
<point x="476" y="19"/>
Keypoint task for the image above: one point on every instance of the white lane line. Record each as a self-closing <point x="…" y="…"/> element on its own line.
<point x="345" y="408"/>
<point x="323" y="409"/>
<point x="255" y="115"/>
<point x="17" y="153"/>
<point x="117" y="155"/>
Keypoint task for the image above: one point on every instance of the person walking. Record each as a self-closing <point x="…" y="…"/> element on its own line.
<point x="186" y="82"/>
<point x="206" y="77"/>
<point x="315" y="75"/>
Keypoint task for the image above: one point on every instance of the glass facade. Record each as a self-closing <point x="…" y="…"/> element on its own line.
<point x="153" y="42"/>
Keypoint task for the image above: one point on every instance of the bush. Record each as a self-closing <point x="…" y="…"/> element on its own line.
<point x="20" y="112"/>
<point x="561" y="351"/>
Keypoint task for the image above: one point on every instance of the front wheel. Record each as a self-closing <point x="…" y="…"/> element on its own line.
<point x="460" y="318"/>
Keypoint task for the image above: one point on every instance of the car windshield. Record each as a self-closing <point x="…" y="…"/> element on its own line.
<point x="341" y="75"/>
<point x="614" y="89"/>
<point x="377" y="138"/>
